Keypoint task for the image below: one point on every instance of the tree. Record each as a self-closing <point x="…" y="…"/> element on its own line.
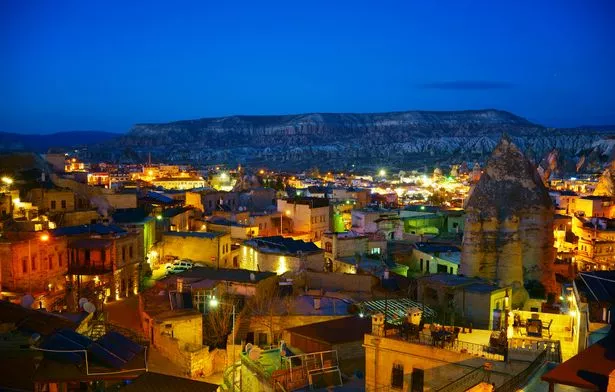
<point x="266" y="307"/>
<point x="218" y="323"/>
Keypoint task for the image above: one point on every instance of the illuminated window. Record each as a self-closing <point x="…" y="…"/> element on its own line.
<point x="375" y="251"/>
<point x="329" y="247"/>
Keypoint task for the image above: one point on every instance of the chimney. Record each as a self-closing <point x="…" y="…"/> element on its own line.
<point x="378" y="324"/>
<point x="180" y="285"/>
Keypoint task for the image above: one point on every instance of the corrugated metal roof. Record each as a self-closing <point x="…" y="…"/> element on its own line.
<point x="395" y="308"/>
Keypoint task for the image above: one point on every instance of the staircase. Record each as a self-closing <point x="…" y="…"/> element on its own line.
<point x="98" y="330"/>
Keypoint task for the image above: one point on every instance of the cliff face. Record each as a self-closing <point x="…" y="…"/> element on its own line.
<point x="508" y="235"/>
<point x="323" y="138"/>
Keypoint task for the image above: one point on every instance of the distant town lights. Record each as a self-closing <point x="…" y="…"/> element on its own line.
<point x="382" y="172"/>
<point x="224" y="176"/>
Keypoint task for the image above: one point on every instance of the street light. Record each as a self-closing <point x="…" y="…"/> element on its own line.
<point x="7" y="180"/>
<point x="382" y="173"/>
<point x="213" y="302"/>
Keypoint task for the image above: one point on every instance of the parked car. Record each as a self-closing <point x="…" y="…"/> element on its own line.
<point x="179" y="266"/>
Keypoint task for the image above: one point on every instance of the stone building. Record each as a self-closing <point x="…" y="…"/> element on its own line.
<point x="279" y="254"/>
<point x="33" y="263"/>
<point x="208" y="248"/>
<point x="309" y="215"/>
<point x="508" y="234"/>
<point x="105" y="256"/>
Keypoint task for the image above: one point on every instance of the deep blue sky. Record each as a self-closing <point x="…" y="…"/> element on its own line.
<point x="109" y="64"/>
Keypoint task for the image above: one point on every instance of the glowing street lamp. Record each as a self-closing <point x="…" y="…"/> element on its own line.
<point x="382" y="173"/>
<point x="44" y="237"/>
<point x="213" y="302"/>
<point x="7" y="180"/>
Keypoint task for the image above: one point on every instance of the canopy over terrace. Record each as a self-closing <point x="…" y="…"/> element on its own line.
<point x="394" y="308"/>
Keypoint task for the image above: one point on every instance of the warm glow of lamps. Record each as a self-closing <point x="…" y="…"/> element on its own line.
<point x="7" y="180"/>
<point x="159" y="217"/>
<point x="45" y="237"/>
<point x="572" y="313"/>
<point x="382" y="172"/>
<point x="213" y="302"/>
<point x="261" y="171"/>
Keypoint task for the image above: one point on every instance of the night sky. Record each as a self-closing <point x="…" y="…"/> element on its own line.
<point x="106" y="65"/>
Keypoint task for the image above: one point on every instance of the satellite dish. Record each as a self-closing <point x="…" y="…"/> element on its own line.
<point x="27" y="301"/>
<point x="89" y="307"/>
<point x="255" y="354"/>
<point x="82" y="301"/>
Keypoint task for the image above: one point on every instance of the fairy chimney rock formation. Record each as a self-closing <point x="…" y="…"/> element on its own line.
<point x="606" y="182"/>
<point x="508" y="235"/>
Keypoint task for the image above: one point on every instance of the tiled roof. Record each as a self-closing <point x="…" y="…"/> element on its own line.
<point x="32" y="321"/>
<point x="428" y="247"/>
<point x="597" y="285"/>
<point x="589" y="369"/>
<point x="224" y="274"/>
<point x="131" y="215"/>
<point x="282" y="245"/>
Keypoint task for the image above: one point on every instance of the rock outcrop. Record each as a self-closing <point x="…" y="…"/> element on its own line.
<point x="508" y="235"/>
<point x="300" y="141"/>
<point x="606" y="182"/>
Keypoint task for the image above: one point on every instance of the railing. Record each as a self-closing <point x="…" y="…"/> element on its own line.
<point x="520" y="379"/>
<point x="552" y="348"/>
<point x="466" y="381"/>
<point x="228" y="377"/>
<point x="458" y="346"/>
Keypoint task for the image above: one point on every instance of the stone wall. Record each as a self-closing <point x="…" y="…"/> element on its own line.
<point x="440" y="366"/>
<point x="255" y="260"/>
<point x="200" y="249"/>
<point x="33" y="268"/>
<point x="193" y="360"/>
